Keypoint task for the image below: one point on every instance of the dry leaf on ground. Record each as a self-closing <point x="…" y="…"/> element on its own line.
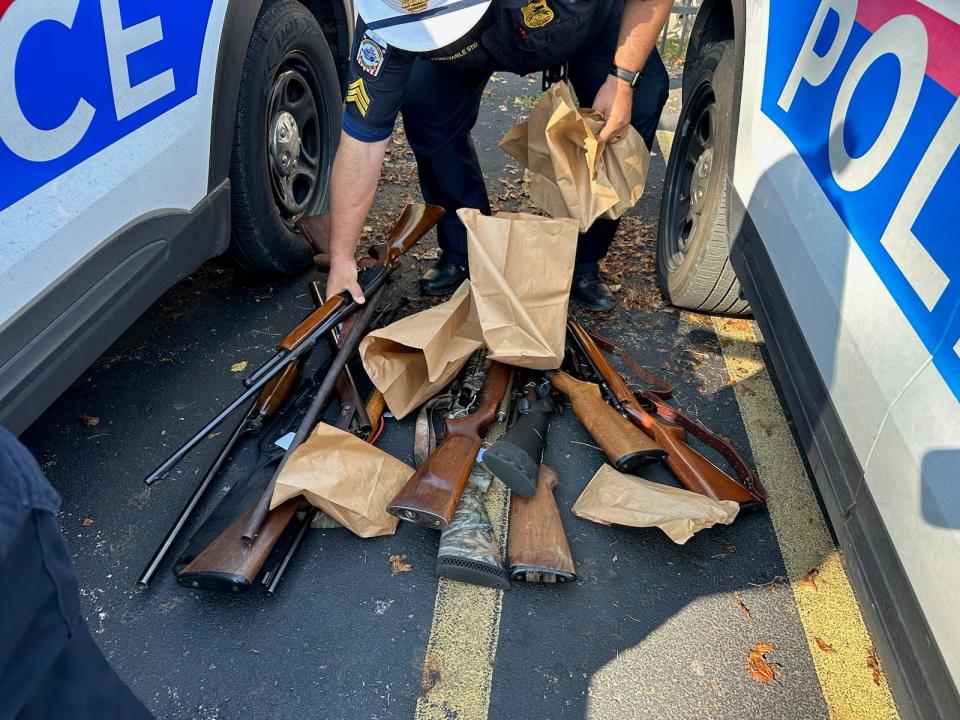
<point x="399" y="564"/>
<point x="87" y="522"/>
<point x="873" y="662"/>
<point x="809" y="581"/>
<point x="741" y="606"/>
<point x="757" y="666"/>
<point x="825" y="646"/>
<point x="90" y="420"/>
<point x="239" y="366"/>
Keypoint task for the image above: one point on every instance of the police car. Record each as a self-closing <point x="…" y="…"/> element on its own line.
<point x="138" y="138"/>
<point x="815" y="180"/>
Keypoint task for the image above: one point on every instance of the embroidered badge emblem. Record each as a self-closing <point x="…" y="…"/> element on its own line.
<point x="536" y="14"/>
<point x="357" y="94"/>
<point x="370" y="56"/>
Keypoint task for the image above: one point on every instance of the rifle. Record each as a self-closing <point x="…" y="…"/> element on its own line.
<point x="515" y="458"/>
<point x="228" y="563"/>
<point x="626" y="447"/>
<point x="271" y="398"/>
<point x="414" y="222"/>
<point x="469" y="551"/>
<point x="695" y="472"/>
<point x="430" y="497"/>
<point x="537" y="545"/>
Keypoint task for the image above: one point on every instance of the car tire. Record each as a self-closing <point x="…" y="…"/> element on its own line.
<point x="284" y="139"/>
<point x="693" y="249"/>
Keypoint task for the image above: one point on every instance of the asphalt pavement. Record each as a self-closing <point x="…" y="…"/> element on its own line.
<point x="649" y="629"/>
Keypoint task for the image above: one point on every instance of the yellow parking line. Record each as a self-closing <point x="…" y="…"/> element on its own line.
<point x="458" y="665"/>
<point x="836" y="634"/>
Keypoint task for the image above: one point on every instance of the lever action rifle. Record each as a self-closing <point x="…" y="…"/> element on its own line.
<point x="626" y="447"/>
<point x="695" y="472"/>
<point x="414" y="222"/>
<point x="537" y="545"/>
<point x="430" y="497"/>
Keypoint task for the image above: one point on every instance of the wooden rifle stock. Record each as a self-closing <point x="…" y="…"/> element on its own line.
<point x="430" y="497"/>
<point x="537" y="545"/>
<point x="693" y="470"/>
<point x="626" y="447"/>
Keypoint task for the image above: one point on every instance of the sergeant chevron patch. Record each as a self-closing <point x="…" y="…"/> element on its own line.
<point x="357" y="94"/>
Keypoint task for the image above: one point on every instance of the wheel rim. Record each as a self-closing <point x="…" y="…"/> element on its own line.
<point x="295" y="140"/>
<point x="695" y="156"/>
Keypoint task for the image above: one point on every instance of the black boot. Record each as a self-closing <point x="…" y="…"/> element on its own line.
<point x="591" y="292"/>
<point x="442" y="279"/>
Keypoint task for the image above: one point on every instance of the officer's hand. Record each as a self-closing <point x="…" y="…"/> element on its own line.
<point x="614" y="102"/>
<point x="343" y="276"/>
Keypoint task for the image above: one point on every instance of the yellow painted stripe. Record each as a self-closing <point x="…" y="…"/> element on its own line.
<point x="827" y="607"/>
<point x="458" y="665"/>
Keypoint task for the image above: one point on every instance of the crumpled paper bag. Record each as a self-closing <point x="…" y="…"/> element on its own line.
<point x="572" y="173"/>
<point x="521" y="268"/>
<point x="612" y="497"/>
<point x="410" y="360"/>
<point x="349" y="479"/>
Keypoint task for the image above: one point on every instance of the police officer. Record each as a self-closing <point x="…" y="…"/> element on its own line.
<point x="431" y="59"/>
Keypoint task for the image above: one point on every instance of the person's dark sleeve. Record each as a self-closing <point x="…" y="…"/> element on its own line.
<point x="376" y="85"/>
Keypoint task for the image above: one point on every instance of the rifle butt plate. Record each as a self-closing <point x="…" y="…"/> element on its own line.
<point x="218" y="582"/>
<point x="419" y="517"/>
<point x="632" y="461"/>
<point x="514" y="466"/>
<point x="531" y="574"/>
<point x="472" y="571"/>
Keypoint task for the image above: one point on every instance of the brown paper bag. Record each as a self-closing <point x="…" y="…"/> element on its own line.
<point x="410" y="360"/>
<point x="350" y="480"/>
<point x="572" y="174"/>
<point x="521" y="268"/>
<point x="612" y="497"/>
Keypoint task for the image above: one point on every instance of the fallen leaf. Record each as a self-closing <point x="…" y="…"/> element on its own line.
<point x="664" y="365"/>
<point x="87" y="522"/>
<point x="809" y="581"/>
<point x="730" y="549"/>
<point x="239" y="366"/>
<point x="873" y="662"/>
<point x="741" y="606"/>
<point x="399" y="564"/>
<point x="430" y="674"/>
<point x="90" y="420"/>
<point x="757" y="666"/>
<point x="825" y="646"/>
<point x="367" y="228"/>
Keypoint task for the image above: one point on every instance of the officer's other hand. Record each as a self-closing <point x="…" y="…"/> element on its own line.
<point x="343" y="276"/>
<point x="614" y="102"/>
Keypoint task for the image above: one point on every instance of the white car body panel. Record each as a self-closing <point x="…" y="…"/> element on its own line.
<point x="160" y="166"/>
<point x="891" y="377"/>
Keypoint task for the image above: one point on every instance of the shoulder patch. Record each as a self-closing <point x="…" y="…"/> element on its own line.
<point x="371" y="53"/>
<point x="357" y="94"/>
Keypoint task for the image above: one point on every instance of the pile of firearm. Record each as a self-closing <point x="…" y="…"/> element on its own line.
<point x="495" y="422"/>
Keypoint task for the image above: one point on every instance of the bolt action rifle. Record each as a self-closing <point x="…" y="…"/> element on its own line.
<point x="430" y="497"/>
<point x="695" y="472"/>
<point x="414" y="222"/>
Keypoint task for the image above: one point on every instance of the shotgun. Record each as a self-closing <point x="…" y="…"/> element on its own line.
<point x="469" y="551"/>
<point x="537" y="545"/>
<point x="695" y="472"/>
<point x="626" y="447"/>
<point x="515" y="458"/>
<point x="430" y="497"/>
<point x="271" y="398"/>
<point x="414" y="222"/>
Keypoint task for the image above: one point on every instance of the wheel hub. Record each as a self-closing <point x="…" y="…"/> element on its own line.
<point x="698" y="183"/>
<point x="284" y="143"/>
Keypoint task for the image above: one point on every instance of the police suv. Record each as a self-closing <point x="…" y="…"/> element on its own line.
<point x="138" y="138"/>
<point x="815" y="180"/>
